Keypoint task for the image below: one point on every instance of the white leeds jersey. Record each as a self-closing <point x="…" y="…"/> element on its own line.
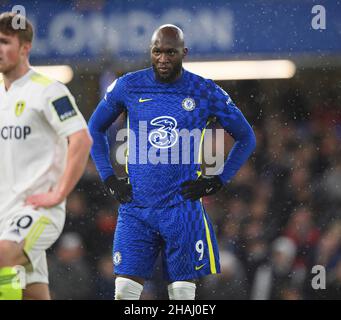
<point x="36" y="116"/>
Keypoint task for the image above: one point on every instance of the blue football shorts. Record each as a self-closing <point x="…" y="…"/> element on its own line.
<point x="182" y="233"/>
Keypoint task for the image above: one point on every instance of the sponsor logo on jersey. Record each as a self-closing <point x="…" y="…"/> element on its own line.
<point x="117" y="258"/>
<point x="64" y="108"/>
<point x="165" y="136"/>
<point x="188" y="104"/>
<point x="14" y="132"/>
<point x="19" y="108"/>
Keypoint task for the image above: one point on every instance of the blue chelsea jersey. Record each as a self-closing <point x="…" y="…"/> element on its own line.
<point x="164" y="120"/>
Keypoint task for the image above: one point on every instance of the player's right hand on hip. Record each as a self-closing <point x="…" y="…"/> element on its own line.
<point x="119" y="188"/>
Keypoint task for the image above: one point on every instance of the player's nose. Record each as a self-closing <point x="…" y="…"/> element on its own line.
<point x="163" y="58"/>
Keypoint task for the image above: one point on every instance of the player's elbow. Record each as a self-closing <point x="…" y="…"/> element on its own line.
<point x="252" y="141"/>
<point x="92" y="126"/>
<point x="249" y="141"/>
<point x="81" y="140"/>
<point x="88" y="141"/>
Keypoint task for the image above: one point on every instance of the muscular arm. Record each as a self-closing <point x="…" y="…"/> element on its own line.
<point x="78" y="153"/>
<point x="245" y="142"/>
<point x="99" y="123"/>
<point x="233" y="122"/>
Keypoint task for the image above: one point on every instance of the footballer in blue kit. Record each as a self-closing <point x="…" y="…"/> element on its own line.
<point x="161" y="208"/>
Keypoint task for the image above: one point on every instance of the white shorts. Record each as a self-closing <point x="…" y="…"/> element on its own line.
<point x="39" y="229"/>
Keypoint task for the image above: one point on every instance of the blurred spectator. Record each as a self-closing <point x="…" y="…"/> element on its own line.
<point x="228" y="285"/>
<point x="254" y="254"/>
<point x="105" y="224"/>
<point x="328" y="255"/>
<point x="333" y="289"/>
<point x="77" y="215"/>
<point x="332" y="181"/>
<point x="274" y="280"/>
<point x="69" y="273"/>
<point x="229" y="236"/>
<point x="302" y="231"/>
<point x="105" y="282"/>
<point x="328" y="251"/>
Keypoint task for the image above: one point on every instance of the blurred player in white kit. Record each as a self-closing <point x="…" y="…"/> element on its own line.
<point x="44" y="148"/>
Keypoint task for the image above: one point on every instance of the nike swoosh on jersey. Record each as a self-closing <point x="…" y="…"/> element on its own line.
<point x="144" y="100"/>
<point x="199" y="267"/>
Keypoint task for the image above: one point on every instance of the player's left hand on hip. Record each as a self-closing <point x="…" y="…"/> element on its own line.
<point x="203" y="186"/>
<point x="45" y="200"/>
<point x="119" y="188"/>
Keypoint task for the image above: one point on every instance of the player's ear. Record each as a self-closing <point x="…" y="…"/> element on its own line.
<point x="26" y="47"/>
<point x="185" y="51"/>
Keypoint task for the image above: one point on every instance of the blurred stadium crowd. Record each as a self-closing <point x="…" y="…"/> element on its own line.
<point x="279" y="217"/>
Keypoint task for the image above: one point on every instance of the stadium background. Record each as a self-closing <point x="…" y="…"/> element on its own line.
<point x="282" y="214"/>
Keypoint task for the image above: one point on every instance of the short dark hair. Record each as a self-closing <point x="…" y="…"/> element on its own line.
<point x="6" y="26"/>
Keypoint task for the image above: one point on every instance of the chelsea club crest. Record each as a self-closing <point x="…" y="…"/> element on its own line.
<point x="117" y="258"/>
<point x="188" y="104"/>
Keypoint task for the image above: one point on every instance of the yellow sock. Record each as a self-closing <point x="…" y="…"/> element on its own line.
<point x="10" y="288"/>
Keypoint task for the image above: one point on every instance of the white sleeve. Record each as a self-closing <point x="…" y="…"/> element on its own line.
<point x="61" y="111"/>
